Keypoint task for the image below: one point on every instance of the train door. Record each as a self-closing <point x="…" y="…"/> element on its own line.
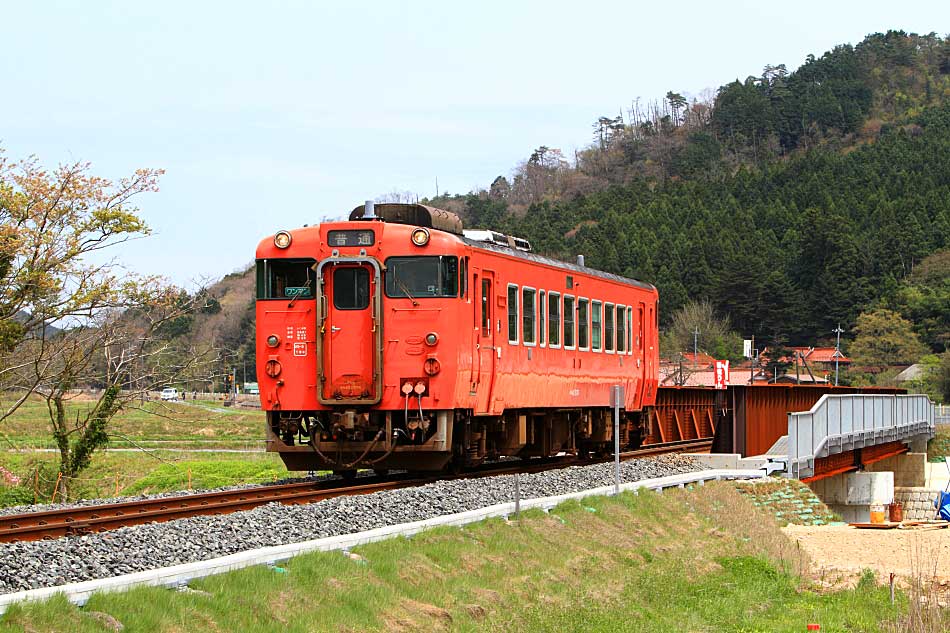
<point x="350" y="334"/>
<point x="485" y="343"/>
<point x="638" y="347"/>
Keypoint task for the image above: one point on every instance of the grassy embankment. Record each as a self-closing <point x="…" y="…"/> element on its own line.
<point x="180" y="439"/>
<point x="701" y="560"/>
<point x="939" y="446"/>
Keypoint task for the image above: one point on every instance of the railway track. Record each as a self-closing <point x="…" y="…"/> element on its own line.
<point x="33" y="526"/>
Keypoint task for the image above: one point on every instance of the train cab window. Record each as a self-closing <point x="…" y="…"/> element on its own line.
<point x="582" y="326"/>
<point x="609" y="328"/>
<point x="527" y="316"/>
<point x="463" y="279"/>
<point x="568" y="322"/>
<point x="542" y="326"/>
<point x="596" y="325"/>
<point x="286" y="278"/>
<point x="513" y="314"/>
<point x="350" y="288"/>
<point x="621" y="330"/>
<point x="422" y="277"/>
<point x="554" y="319"/>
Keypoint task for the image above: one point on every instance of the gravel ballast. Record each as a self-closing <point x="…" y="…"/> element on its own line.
<point x="31" y="565"/>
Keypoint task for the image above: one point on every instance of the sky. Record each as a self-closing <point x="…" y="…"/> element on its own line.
<point x="271" y="115"/>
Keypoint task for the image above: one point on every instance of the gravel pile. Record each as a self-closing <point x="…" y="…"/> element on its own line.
<point x="30" y="565"/>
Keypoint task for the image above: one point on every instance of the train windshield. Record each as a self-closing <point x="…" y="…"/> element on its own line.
<point x="286" y="278"/>
<point x="421" y="277"/>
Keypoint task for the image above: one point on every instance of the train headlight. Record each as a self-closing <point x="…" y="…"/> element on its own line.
<point x="420" y="237"/>
<point x="431" y="339"/>
<point x="432" y="366"/>
<point x="282" y="239"/>
<point x="272" y="368"/>
<point x="273" y="340"/>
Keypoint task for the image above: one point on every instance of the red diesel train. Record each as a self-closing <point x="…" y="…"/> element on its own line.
<point x="398" y="340"/>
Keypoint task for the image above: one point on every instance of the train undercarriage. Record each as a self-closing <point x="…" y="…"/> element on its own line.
<point x="349" y="439"/>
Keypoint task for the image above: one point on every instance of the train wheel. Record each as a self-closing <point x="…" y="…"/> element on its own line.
<point x="382" y="472"/>
<point x="347" y="475"/>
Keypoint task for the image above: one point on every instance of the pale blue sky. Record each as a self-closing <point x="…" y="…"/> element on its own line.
<point x="273" y="115"/>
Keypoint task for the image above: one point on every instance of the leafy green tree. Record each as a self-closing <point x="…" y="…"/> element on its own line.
<point x="924" y="299"/>
<point x="51" y="223"/>
<point x="943" y="377"/>
<point x="67" y="323"/>
<point x="883" y="338"/>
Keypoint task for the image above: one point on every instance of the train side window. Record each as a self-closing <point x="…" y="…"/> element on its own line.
<point x="596" y="325"/>
<point x="569" y="322"/>
<point x="621" y="329"/>
<point x="583" y="329"/>
<point x="554" y="319"/>
<point x="609" y="328"/>
<point x="542" y="325"/>
<point x="527" y="315"/>
<point x="513" y="314"/>
<point x="629" y="330"/>
<point x="486" y="316"/>
<point x="463" y="278"/>
<point x="640" y="327"/>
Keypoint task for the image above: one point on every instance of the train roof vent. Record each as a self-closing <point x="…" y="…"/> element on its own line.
<point x="414" y="214"/>
<point x="500" y="239"/>
<point x="520" y="243"/>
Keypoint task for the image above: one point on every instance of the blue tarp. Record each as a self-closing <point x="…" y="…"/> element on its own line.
<point x="942" y="503"/>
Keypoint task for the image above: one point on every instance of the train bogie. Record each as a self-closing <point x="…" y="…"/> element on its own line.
<point x="398" y="341"/>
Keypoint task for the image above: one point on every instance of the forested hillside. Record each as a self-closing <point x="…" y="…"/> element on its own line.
<point x="792" y="201"/>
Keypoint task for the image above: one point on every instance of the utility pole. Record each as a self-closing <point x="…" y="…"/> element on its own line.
<point x="838" y="331"/>
<point x="695" y="345"/>
<point x="752" y="362"/>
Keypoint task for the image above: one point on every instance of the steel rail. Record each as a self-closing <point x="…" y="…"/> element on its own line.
<point x="79" y="520"/>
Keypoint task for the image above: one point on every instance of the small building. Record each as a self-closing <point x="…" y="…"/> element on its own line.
<point x="914" y="372"/>
<point x="820" y="359"/>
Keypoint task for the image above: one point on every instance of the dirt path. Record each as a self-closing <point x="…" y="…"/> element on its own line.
<point x="851" y="550"/>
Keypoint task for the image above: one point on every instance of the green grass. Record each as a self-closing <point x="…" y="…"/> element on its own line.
<point x="160" y="427"/>
<point x="209" y="474"/>
<point x="702" y="560"/>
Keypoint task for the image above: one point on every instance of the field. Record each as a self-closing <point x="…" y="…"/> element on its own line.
<point x="701" y="560"/>
<point x="153" y="447"/>
<point x="152" y="423"/>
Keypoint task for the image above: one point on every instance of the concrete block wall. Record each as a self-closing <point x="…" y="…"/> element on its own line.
<point x="918" y="502"/>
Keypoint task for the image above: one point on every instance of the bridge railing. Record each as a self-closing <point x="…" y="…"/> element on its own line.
<point x="839" y="423"/>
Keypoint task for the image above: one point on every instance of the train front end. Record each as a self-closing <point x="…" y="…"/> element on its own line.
<point x="352" y="318"/>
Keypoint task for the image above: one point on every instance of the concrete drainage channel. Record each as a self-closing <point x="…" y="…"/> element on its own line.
<point x="181" y="575"/>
